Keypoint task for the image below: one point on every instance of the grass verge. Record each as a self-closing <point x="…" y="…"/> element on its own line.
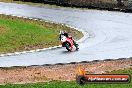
<point x="72" y="84"/>
<point x="18" y="34"/>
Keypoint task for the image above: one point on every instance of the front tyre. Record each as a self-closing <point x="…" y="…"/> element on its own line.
<point x="68" y="46"/>
<point x="77" y="47"/>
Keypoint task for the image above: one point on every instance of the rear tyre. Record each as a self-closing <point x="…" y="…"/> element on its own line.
<point x="68" y="47"/>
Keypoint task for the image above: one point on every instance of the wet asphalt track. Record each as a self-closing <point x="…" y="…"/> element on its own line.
<point x="110" y="35"/>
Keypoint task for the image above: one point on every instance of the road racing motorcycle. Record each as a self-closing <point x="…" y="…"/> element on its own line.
<point x="68" y="42"/>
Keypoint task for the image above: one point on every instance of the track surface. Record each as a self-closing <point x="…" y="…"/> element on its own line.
<point x="110" y="35"/>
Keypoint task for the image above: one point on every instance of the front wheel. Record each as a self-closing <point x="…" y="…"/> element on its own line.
<point x="68" y="47"/>
<point x="76" y="45"/>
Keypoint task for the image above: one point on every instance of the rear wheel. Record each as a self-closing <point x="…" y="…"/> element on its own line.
<point x="68" y="46"/>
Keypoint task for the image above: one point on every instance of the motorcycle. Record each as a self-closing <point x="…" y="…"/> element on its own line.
<point x="67" y="42"/>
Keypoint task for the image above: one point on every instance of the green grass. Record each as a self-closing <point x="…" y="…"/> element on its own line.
<point x="72" y="84"/>
<point x="18" y="34"/>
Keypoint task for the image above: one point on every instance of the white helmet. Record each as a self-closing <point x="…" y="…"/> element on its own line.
<point x="61" y="32"/>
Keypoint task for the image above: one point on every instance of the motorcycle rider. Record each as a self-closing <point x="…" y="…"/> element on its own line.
<point x="67" y="35"/>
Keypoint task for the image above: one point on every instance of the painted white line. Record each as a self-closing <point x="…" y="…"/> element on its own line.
<point x="16" y="53"/>
<point x="30" y="18"/>
<point x="35" y="19"/>
<point x="2" y="55"/>
<point x="19" y="16"/>
<point x="13" y="15"/>
<point x="25" y="17"/>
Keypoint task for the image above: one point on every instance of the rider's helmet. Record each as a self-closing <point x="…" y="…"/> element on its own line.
<point x="61" y="32"/>
<point x="65" y="34"/>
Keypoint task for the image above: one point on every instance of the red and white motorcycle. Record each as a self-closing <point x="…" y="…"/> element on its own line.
<point x="67" y="42"/>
